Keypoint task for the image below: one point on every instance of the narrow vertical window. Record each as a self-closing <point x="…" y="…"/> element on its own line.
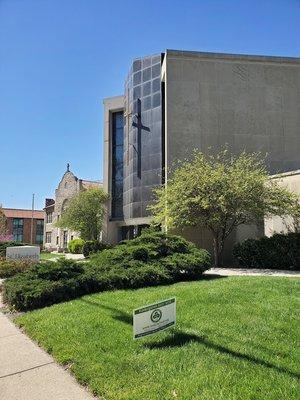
<point x="18" y="229"/>
<point x="117" y="165"/>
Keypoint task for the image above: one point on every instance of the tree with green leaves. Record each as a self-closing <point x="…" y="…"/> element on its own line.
<point x="84" y="213"/>
<point x="3" y="222"/>
<point x="219" y="192"/>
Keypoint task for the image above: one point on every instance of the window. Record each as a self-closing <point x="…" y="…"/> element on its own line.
<point x="117" y="165"/>
<point x="57" y="240"/>
<point x="18" y="229"/>
<point x="48" y="237"/>
<point x="49" y="217"/>
<point x="65" y="238"/>
<point x="39" y="233"/>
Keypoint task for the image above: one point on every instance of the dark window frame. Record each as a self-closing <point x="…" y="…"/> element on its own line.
<point x="117" y="162"/>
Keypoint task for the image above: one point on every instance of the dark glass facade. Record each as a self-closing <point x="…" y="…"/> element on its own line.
<point x="117" y="165"/>
<point x="142" y="135"/>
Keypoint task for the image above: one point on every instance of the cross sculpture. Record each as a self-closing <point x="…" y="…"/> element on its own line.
<point x="140" y="127"/>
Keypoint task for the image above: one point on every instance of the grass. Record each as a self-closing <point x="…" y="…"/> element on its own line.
<point x="50" y="256"/>
<point x="236" y="338"/>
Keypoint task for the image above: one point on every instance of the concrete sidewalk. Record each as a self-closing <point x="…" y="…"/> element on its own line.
<point x="29" y="373"/>
<point x="251" y="272"/>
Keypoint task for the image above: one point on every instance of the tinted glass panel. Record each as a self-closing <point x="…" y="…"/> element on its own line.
<point x="156" y="85"/>
<point x="146" y="74"/>
<point x="146" y="89"/>
<point x="156" y="100"/>
<point x="137" y="78"/>
<point x="117" y="165"/>
<point x="155" y="70"/>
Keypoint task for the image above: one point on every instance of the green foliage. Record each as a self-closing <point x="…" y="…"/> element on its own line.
<point x="178" y="258"/>
<point x="10" y="268"/>
<point x="84" y="213"/>
<point x="93" y="246"/>
<point x="235" y="339"/>
<point x="75" y="246"/>
<point x="152" y="259"/>
<point x="3" y="222"/>
<point x="276" y="252"/>
<point x="4" y="245"/>
<point x="220" y="192"/>
<point x="44" y="284"/>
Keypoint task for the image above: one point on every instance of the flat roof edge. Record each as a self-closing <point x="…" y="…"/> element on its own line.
<point x="232" y="56"/>
<point x="106" y="99"/>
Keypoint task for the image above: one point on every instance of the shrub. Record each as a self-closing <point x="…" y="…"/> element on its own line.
<point x="280" y="251"/>
<point x="93" y="246"/>
<point x="10" y="268"/>
<point x="44" y="284"/>
<point x="75" y="246"/>
<point x="176" y="255"/>
<point x="4" y="245"/>
<point x="152" y="259"/>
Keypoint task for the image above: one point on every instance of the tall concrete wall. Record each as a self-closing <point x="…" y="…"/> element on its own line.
<point x="250" y="103"/>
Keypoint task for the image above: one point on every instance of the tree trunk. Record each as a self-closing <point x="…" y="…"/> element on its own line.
<point x="218" y="249"/>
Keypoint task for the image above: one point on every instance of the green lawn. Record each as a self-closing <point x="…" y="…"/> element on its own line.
<point x="51" y="256"/>
<point x="236" y="338"/>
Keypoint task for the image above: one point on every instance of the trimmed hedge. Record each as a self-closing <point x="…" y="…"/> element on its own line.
<point x="10" y="268"/>
<point x="93" y="246"/>
<point x="4" y="245"/>
<point x="280" y="251"/>
<point x="152" y="259"/>
<point x="75" y="246"/>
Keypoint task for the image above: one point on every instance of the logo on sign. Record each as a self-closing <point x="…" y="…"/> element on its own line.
<point x="156" y="315"/>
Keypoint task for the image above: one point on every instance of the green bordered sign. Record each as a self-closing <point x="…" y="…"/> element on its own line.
<point x="154" y="318"/>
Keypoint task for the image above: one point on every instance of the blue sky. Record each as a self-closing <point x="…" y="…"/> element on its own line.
<point x="60" y="58"/>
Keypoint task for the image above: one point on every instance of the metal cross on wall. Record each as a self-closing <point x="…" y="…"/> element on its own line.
<point x="140" y="127"/>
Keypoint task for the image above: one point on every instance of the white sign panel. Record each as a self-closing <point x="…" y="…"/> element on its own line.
<point x="154" y="318"/>
<point x="23" y="253"/>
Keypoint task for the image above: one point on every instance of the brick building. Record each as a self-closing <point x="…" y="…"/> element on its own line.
<point x="26" y="226"/>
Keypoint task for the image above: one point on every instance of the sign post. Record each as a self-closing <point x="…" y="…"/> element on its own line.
<point x="154" y="318"/>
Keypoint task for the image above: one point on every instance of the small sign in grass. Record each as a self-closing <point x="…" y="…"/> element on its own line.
<point x="154" y="318"/>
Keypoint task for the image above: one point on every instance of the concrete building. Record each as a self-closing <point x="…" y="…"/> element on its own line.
<point x="177" y="101"/>
<point x="25" y="226"/>
<point x="57" y="238"/>
<point x="275" y="224"/>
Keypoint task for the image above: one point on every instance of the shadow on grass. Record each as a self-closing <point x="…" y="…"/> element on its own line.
<point x="181" y="338"/>
<point x="117" y="314"/>
<point x="211" y="277"/>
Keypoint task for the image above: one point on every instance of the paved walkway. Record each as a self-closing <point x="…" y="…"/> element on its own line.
<point x="251" y="272"/>
<point x="29" y="373"/>
<point x="69" y="256"/>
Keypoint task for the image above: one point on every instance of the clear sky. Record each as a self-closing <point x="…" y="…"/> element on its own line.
<point x="60" y="58"/>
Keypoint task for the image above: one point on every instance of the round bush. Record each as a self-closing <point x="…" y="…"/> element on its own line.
<point x="75" y="246"/>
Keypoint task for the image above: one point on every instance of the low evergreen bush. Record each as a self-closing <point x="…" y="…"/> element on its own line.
<point x="10" y="268"/>
<point x="75" y="246"/>
<point x="280" y="251"/>
<point x="152" y="259"/>
<point x="93" y="246"/>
